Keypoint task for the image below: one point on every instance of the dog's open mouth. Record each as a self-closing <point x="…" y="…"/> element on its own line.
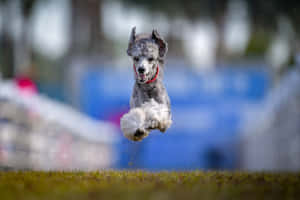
<point x="142" y="77"/>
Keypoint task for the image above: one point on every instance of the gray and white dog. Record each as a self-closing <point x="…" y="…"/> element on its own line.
<point x="149" y="104"/>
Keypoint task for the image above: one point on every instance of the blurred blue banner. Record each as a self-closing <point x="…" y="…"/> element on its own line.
<point x="208" y="109"/>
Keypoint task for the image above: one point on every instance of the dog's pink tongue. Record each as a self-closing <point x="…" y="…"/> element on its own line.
<point x="142" y="76"/>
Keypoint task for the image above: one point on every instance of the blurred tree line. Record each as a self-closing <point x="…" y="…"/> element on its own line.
<point x="88" y="38"/>
<point x="16" y="54"/>
<point x="264" y="15"/>
<point x="8" y="48"/>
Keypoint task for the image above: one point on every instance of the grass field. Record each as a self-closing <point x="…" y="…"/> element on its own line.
<point x="146" y="185"/>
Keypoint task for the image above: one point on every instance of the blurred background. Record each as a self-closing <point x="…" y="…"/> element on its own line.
<point x="232" y="73"/>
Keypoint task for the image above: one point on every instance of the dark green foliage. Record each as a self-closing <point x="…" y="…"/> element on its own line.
<point x="190" y="8"/>
<point x="266" y="13"/>
<point x="262" y="13"/>
<point x="258" y="44"/>
<point x="147" y="185"/>
<point x="27" y="7"/>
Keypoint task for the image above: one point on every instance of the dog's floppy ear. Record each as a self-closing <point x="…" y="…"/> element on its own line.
<point x="131" y="41"/>
<point x="163" y="46"/>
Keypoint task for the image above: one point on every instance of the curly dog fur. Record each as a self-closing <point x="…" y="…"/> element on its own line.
<point x="149" y="103"/>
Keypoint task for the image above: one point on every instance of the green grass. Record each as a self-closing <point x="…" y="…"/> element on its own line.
<point x="146" y="185"/>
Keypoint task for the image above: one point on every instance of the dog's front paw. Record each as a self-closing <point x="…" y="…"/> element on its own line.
<point x="132" y="125"/>
<point x="162" y="129"/>
<point x="153" y="124"/>
<point x="164" y="125"/>
<point x="139" y="135"/>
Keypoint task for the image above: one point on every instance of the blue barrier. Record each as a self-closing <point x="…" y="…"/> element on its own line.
<point x="207" y="112"/>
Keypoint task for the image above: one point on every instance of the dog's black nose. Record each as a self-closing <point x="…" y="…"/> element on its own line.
<point x="141" y="70"/>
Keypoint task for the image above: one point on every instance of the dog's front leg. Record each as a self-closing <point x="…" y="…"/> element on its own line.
<point x="132" y="124"/>
<point x="152" y="123"/>
<point x="157" y="116"/>
<point x="161" y="124"/>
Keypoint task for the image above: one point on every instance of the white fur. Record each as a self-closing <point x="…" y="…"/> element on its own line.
<point x="132" y="121"/>
<point x="151" y="115"/>
<point x="157" y="115"/>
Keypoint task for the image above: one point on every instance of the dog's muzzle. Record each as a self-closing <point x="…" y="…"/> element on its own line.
<point x="143" y="77"/>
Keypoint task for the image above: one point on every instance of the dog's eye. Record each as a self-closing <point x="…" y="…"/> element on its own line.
<point x="150" y="59"/>
<point x="136" y="59"/>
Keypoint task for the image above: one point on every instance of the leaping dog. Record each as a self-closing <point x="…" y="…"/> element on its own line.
<point x="149" y="104"/>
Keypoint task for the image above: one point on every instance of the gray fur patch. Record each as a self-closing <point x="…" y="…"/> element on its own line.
<point x="148" y="52"/>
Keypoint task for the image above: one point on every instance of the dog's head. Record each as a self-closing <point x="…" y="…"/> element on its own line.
<point x="147" y="51"/>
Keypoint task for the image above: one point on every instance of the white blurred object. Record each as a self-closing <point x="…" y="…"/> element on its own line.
<point x="237" y="27"/>
<point x="272" y="136"/>
<point x="61" y="114"/>
<point x="280" y="49"/>
<point x="48" y="135"/>
<point x="50" y="27"/>
<point x="200" y="43"/>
